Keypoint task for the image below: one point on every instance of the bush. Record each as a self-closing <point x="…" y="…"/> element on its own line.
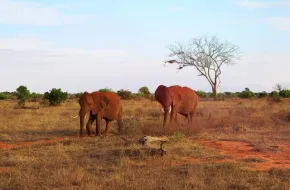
<point x="3" y="96"/>
<point x="78" y="95"/>
<point x="247" y="94"/>
<point x="275" y="96"/>
<point x="201" y="94"/>
<point x="22" y="95"/>
<point x="124" y="94"/>
<point x="55" y="96"/>
<point x="106" y="90"/>
<point x="138" y="96"/>
<point x="285" y="93"/>
<point x="262" y="94"/>
<point x="144" y="91"/>
<point x="34" y="97"/>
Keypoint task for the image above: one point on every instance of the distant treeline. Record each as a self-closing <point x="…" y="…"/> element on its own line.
<point x="56" y="96"/>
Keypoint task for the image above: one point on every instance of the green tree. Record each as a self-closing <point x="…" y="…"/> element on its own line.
<point x="105" y="90"/>
<point x="22" y="94"/>
<point x="55" y="96"/>
<point x="3" y="96"/>
<point x="34" y="97"/>
<point x="144" y="90"/>
<point x="247" y="94"/>
<point x="124" y="94"/>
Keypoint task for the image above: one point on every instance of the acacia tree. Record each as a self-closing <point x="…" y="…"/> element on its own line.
<point x="207" y="55"/>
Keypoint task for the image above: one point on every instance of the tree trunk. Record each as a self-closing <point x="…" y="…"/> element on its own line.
<point x="214" y="92"/>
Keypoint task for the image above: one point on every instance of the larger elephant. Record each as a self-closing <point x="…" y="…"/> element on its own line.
<point x="176" y="99"/>
<point x="100" y="105"/>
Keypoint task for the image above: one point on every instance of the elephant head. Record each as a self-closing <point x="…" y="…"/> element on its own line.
<point x="91" y="102"/>
<point x="167" y="98"/>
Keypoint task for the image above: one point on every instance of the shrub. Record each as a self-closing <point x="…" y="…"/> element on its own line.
<point x="78" y="95"/>
<point x="201" y="94"/>
<point x="22" y="95"/>
<point x="34" y="97"/>
<point x="124" y="94"/>
<point x="275" y="96"/>
<point x="55" y="96"/>
<point x="229" y="94"/>
<point x="144" y="91"/>
<point x="3" y="96"/>
<point x="137" y="96"/>
<point x="262" y="94"/>
<point x="285" y="93"/>
<point x="247" y="94"/>
<point x="105" y="90"/>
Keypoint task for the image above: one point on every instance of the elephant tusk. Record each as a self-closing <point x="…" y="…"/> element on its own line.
<point x="75" y="116"/>
<point x="169" y="109"/>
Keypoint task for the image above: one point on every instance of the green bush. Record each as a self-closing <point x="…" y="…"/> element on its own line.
<point x="34" y="97"/>
<point x="3" y="96"/>
<point x="201" y="94"/>
<point x="144" y="91"/>
<point x="275" y="96"/>
<point x="55" y="96"/>
<point x="247" y="94"/>
<point x="262" y="94"/>
<point x="285" y="93"/>
<point x="22" y="94"/>
<point x="105" y="90"/>
<point x="124" y="94"/>
<point x="78" y="95"/>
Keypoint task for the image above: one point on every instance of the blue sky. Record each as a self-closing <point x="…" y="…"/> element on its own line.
<point x="88" y="45"/>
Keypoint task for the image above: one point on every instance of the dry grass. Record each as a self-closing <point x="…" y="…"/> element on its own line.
<point x="108" y="163"/>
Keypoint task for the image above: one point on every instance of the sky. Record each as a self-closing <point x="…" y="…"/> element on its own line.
<point x="87" y="45"/>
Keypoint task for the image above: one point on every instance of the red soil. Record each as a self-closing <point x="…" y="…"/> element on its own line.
<point x="234" y="151"/>
<point x="245" y="153"/>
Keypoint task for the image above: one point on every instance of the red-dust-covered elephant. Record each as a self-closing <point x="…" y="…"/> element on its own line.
<point x="176" y="99"/>
<point x="101" y="105"/>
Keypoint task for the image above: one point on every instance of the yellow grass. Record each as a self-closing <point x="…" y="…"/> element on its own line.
<point x="110" y="163"/>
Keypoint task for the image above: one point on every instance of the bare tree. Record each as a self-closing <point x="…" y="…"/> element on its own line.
<point x="279" y="87"/>
<point x="207" y="55"/>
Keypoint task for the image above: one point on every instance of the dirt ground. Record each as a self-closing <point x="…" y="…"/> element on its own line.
<point x="232" y="144"/>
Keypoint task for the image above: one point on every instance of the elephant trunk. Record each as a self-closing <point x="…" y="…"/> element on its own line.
<point x="166" y="116"/>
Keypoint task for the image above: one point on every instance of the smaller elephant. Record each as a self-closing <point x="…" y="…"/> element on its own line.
<point x="176" y="99"/>
<point x="100" y="105"/>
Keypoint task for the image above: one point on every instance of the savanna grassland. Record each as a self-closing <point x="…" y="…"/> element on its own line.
<point x="232" y="144"/>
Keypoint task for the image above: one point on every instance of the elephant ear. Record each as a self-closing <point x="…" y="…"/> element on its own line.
<point x="100" y="103"/>
<point x="105" y="101"/>
<point x="176" y="98"/>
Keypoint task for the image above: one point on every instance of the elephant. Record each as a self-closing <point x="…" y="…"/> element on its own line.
<point x="176" y="99"/>
<point x="101" y="105"/>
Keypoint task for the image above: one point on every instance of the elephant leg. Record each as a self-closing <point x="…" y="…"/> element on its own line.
<point x="89" y="124"/>
<point x="173" y="116"/>
<point x="98" y="124"/>
<point x="108" y="127"/>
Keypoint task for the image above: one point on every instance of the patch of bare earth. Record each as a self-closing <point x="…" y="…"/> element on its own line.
<point x="245" y="153"/>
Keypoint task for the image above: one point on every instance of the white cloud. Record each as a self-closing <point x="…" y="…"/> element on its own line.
<point x="41" y="66"/>
<point x="40" y="46"/>
<point x="282" y="23"/>
<point x="26" y="13"/>
<point x="263" y="4"/>
<point x="252" y="4"/>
